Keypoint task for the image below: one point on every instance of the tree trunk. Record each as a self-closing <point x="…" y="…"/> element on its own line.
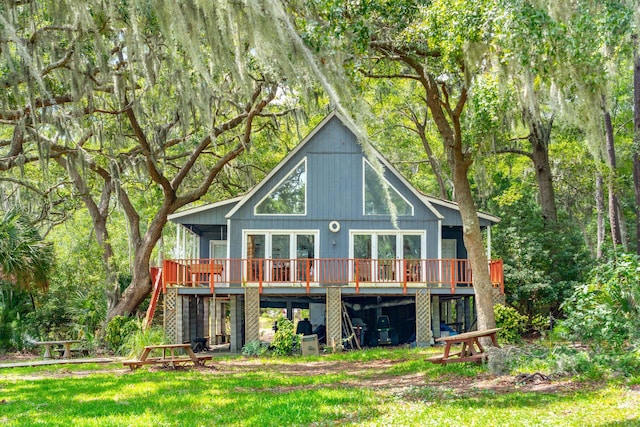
<point x="599" y="214"/>
<point x="99" y="212"/>
<point x="540" y="137"/>
<point x="473" y="240"/>
<point x="614" y="215"/>
<point x="140" y="285"/>
<point x="459" y="162"/>
<point x="636" y="137"/>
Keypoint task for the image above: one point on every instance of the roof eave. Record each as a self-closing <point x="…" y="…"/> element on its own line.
<point x="203" y="208"/>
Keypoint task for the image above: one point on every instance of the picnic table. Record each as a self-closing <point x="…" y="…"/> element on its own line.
<point x="65" y="343"/>
<point x="169" y="356"/>
<point x="472" y="350"/>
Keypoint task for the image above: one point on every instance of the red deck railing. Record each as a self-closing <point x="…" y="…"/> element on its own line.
<point x="318" y="272"/>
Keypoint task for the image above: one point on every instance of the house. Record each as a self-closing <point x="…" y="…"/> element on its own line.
<point x="324" y="231"/>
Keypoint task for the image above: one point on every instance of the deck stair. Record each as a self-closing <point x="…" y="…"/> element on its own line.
<point x="348" y="331"/>
<point x="155" y="296"/>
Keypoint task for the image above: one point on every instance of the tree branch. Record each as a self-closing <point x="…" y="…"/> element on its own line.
<point x="514" y="151"/>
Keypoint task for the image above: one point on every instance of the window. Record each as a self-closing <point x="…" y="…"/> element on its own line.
<point x="289" y="196"/>
<point x="449" y="249"/>
<point x="218" y="249"/>
<point x="281" y="256"/>
<point x="379" y="256"/>
<point x="375" y="202"/>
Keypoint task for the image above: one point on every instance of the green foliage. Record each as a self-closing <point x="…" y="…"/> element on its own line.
<point x="254" y="349"/>
<point x="577" y="362"/>
<point x="74" y="305"/>
<point x="15" y="305"/>
<point x="118" y="331"/>
<point x="136" y="340"/>
<point x="25" y="258"/>
<point x="513" y="324"/>
<point x="285" y="341"/>
<point x="542" y="262"/>
<point x="606" y="310"/>
<point x="539" y="324"/>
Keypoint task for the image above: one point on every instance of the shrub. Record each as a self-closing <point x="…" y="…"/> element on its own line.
<point x="540" y="325"/>
<point x="117" y="331"/>
<point x="606" y="311"/>
<point x="511" y="322"/>
<point x="285" y="341"/>
<point x="135" y="342"/>
<point x="254" y="349"/>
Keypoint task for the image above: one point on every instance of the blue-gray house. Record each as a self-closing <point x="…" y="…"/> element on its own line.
<point x="333" y="230"/>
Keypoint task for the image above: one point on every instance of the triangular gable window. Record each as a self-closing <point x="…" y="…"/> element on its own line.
<point x="374" y="196"/>
<point x="289" y="197"/>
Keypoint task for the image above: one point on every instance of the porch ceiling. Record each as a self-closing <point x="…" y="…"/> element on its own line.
<point x="202" y="228"/>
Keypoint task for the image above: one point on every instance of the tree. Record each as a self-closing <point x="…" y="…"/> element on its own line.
<point x="429" y="44"/>
<point x="142" y="104"/>
<point x="524" y="45"/>
<point x="636" y="137"/>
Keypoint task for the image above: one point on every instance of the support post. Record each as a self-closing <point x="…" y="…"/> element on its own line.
<point x="468" y="308"/>
<point x="252" y="314"/>
<point x="236" y="314"/>
<point x="213" y="313"/>
<point x="424" y="336"/>
<point x="435" y="300"/>
<point x="460" y="314"/>
<point x="170" y="315"/>
<point x="179" y="318"/>
<point x="334" y="316"/>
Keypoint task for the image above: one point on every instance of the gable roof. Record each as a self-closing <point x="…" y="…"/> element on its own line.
<point x="299" y="147"/>
<point x="240" y="201"/>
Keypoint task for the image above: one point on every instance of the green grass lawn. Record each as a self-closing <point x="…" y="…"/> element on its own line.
<point x="373" y="387"/>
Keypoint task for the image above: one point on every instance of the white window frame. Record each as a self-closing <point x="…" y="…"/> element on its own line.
<point x="306" y="186"/>
<point x="292" y="244"/>
<point x="213" y="243"/>
<point x="399" y="247"/>
<point x="453" y="244"/>
<point x="365" y="162"/>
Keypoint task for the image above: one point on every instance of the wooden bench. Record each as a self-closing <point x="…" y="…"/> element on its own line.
<point x="201" y="273"/>
<point x="168" y="357"/>
<point x="206" y="268"/>
<point x="66" y="354"/>
<point x="471" y="351"/>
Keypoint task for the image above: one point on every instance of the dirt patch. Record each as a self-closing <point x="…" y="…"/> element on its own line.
<point x="17" y="357"/>
<point x="371" y="375"/>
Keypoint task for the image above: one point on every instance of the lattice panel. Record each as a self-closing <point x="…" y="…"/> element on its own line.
<point x="334" y="315"/>
<point x="423" y="318"/>
<point x="252" y="314"/>
<point x="170" y="317"/>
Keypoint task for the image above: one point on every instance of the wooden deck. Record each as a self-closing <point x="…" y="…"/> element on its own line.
<point x="451" y="273"/>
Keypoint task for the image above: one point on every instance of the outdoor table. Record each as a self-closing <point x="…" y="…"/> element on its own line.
<point x="168" y="356"/>
<point x="472" y="350"/>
